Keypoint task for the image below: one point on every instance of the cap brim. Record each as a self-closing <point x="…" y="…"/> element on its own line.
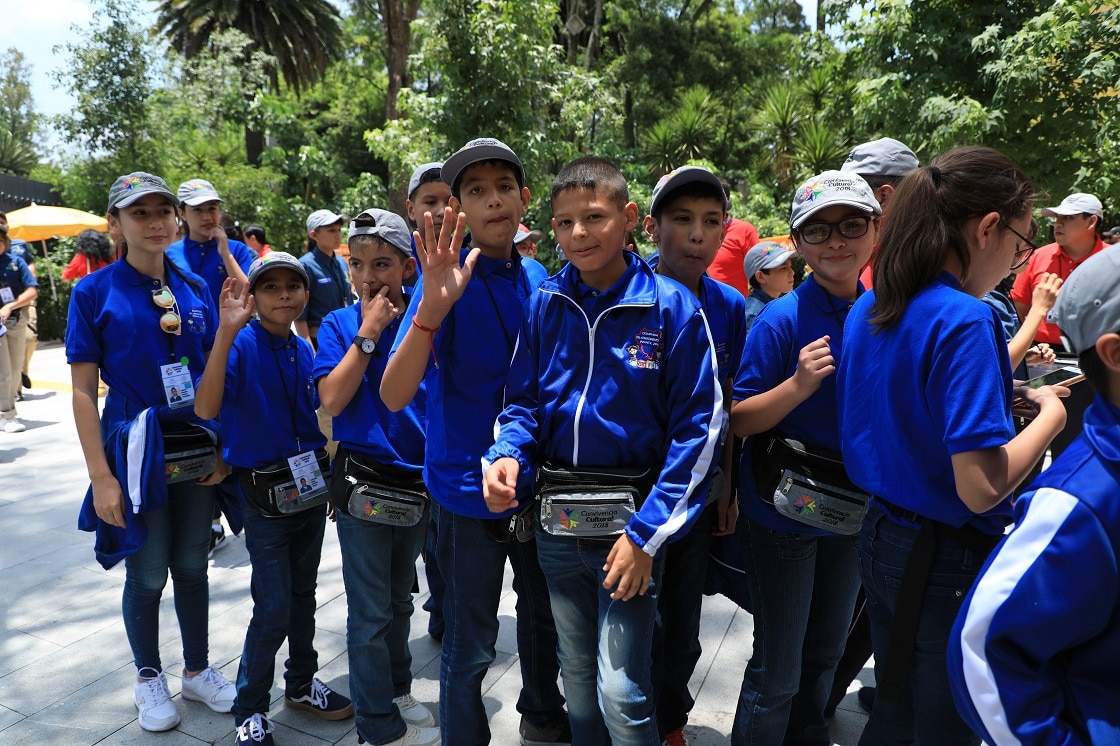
<point x="831" y="203"/>
<point x="688" y="176"/>
<point x="457" y="163"/>
<point x="196" y="201"/>
<point x="778" y="261"/>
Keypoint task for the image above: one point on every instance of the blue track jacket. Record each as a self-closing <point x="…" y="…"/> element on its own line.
<point x="1034" y="657"/>
<point x="635" y="386"/>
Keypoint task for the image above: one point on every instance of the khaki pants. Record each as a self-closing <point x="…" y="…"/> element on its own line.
<point x="13" y="346"/>
<point x="32" y="337"/>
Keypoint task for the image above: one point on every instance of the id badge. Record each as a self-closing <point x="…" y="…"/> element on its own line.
<point x="6" y="295"/>
<point x="177" y="386"/>
<point x="309" y="481"/>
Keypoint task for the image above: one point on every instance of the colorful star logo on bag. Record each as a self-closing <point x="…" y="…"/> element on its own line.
<point x="805" y="504"/>
<point x="172" y="471"/>
<point x="567" y="519"/>
<point x="372" y="508"/>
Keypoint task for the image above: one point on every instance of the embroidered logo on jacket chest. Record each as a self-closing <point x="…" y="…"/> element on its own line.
<point x="645" y="350"/>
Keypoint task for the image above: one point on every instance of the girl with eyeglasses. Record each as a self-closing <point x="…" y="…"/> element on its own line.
<point x="925" y="392"/>
<point x="803" y="575"/>
<point x="146" y="327"/>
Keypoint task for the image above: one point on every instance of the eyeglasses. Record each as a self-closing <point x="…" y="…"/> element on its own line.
<point x="1021" y="255"/>
<point x="169" y="321"/>
<point x="819" y="231"/>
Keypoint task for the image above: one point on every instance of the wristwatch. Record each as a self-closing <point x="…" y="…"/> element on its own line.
<point x="365" y="344"/>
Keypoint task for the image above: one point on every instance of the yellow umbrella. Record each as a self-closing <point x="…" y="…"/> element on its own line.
<point x="40" y="222"/>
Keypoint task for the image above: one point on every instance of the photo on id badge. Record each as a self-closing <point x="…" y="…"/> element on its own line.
<point x="307" y="477"/>
<point x="177" y="386"/>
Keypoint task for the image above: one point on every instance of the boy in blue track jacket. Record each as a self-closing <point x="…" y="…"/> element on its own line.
<point x="615" y="369"/>
<point x="687" y="218"/>
<point x="1034" y="654"/>
<point x="458" y="337"/>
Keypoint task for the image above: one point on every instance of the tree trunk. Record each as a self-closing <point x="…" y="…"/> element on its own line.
<point x="820" y="15"/>
<point x="396" y="18"/>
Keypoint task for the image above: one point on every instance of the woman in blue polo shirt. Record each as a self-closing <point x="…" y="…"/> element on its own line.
<point x="146" y="327"/>
<point x="925" y="418"/>
<point x="803" y="578"/>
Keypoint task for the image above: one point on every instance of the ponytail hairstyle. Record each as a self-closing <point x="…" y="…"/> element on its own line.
<point x="928" y="212"/>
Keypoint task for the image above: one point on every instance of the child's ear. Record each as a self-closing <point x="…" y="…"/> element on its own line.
<point x="652" y="229"/>
<point x="408" y="209"/>
<point x="1108" y="349"/>
<point x="455" y="205"/>
<point x="114" y="227"/>
<point x="409" y="267"/>
<point x="631" y="213"/>
<point x="524" y="200"/>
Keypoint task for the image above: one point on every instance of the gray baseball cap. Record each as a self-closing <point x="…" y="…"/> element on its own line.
<point x="685" y="175"/>
<point x="197" y="191"/>
<point x="1088" y="305"/>
<point x="276" y="260"/>
<point x="319" y="218"/>
<point x="828" y="189"/>
<point x="1076" y="204"/>
<point x="419" y="173"/>
<point x="765" y="255"/>
<point x="481" y="149"/>
<point x="883" y="157"/>
<point x="388" y="226"/>
<point x="131" y="187"/>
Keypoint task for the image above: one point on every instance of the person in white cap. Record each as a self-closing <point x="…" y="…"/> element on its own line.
<point x="330" y="279"/>
<point x="206" y="250"/>
<point x="1077" y="221"/>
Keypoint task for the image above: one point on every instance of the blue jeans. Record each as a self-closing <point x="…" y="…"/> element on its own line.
<point x="676" y="647"/>
<point x="927" y="714"/>
<point x="436" y="584"/>
<point x="473" y="564"/>
<point x="803" y="589"/>
<point x="605" y="645"/>
<point x="378" y="568"/>
<point x="178" y="540"/>
<point x="284" y="552"/>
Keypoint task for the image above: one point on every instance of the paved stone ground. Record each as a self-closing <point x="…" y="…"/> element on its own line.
<point x="66" y="671"/>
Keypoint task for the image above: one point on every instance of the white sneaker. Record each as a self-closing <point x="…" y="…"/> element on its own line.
<point x="211" y="689"/>
<point x="14" y="426"/>
<point x="414" y="736"/>
<point x="413" y="712"/>
<point x="153" y="700"/>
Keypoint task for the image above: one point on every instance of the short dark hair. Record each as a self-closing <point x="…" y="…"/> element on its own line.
<point x="1096" y="372"/>
<point x="432" y="174"/>
<point x="513" y="169"/>
<point x="256" y="232"/>
<point x="693" y="190"/>
<point x="367" y="239"/>
<point x="593" y="173"/>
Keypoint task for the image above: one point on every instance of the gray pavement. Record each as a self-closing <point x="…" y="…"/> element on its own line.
<point x="66" y="671"/>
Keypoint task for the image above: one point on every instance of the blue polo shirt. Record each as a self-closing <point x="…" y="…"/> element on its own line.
<point x="725" y="308"/>
<point x="268" y="408"/>
<point x="204" y="260"/>
<point x="775" y="340"/>
<point x="465" y="393"/>
<point x="20" y="248"/>
<point x="366" y="425"/>
<point x="936" y="383"/>
<point x="330" y="285"/>
<point x="14" y="274"/>
<point x="114" y="323"/>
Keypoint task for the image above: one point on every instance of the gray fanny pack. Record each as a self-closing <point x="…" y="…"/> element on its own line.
<point x="590" y="502"/>
<point x="380" y="494"/>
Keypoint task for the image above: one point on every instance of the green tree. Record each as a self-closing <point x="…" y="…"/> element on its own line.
<point x="19" y="123"/>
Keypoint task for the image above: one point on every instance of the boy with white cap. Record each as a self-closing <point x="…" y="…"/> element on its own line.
<point x="1030" y="663"/>
<point x="1077" y="221"/>
<point x="769" y="270"/>
<point x="329" y="278"/>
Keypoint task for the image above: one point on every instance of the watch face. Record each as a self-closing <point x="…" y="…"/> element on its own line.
<point x="368" y="346"/>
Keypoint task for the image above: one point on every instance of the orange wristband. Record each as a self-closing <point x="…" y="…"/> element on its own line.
<point x="431" y="339"/>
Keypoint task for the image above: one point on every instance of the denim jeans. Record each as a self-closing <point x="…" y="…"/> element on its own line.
<point x="284" y="552"/>
<point x="676" y="641"/>
<point x="803" y="589"/>
<point x="605" y="645"/>
<point x="927" y="714"/>
<point x="178" y="540"/>
<point x="436" y="584"/>
<point x="473" y="564"/>
<point x="378" y="568"/>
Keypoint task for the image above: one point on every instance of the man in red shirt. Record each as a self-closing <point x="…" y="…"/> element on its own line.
<point x="1076" y="223"/>
<point x="740" y="236"/>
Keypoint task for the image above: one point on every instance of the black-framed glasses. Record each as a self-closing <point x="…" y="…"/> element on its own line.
<point x="1022" y="255"/>
<point x="818" y="231"/>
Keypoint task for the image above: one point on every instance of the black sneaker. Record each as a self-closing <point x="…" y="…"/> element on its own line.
<point x="318" y="699"/>
<point x="25" y="380"/>
<point x="255" y="730"/>
<point x="556" y="734"/>
<point x="866" y="698"/>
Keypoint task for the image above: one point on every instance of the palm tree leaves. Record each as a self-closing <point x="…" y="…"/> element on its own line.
<point x="303" y="35"/>
<point x="685" y="134"/>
